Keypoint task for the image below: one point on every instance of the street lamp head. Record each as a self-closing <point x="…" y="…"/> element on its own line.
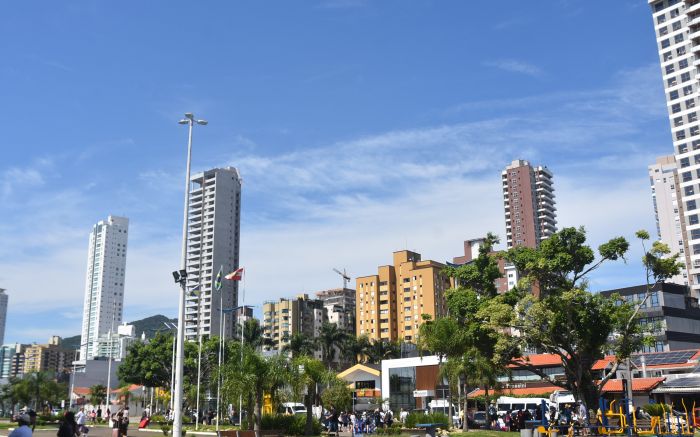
<point x="189" y="115"/>
<point x="183" y="121"/>
<point x="202" y="122"/>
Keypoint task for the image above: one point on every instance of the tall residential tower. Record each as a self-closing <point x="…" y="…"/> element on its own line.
<point x="3" y="314"/>
<point x="677" y="27"/>
<point x="665" y="195"/>
<point x="528" y="200"/>
<point x="213" y="243"/>
<point x="104" y="283"/>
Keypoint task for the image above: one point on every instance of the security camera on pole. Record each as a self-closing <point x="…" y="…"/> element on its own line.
<point x="180" y="277"/>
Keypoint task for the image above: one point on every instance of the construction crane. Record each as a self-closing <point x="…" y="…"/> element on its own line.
<point x="345" y="276"/>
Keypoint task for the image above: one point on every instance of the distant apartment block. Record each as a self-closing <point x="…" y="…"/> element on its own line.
<point x="3" y="314"/>
<point x="11" y="360"/>
<point x="104" y="284"/>
<point x="50" y="357"/>
<point x="285" y="317"/>
<point x="528" y="200"/>
<point x="339" y="307"/>
<point x="669" y="213"/>
<point x="391" y="303"/>
<point x="670" y="314"/>
<point x="213" y="242"/>
<point x="116" y="344"/>
<point x="677" y="30"/>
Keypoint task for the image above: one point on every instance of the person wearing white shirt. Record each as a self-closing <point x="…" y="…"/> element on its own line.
<point x="80" y="419"/>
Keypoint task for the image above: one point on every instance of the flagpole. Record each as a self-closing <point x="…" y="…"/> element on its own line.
<point x="240" y="396"/>
<point x="221" y="342"/>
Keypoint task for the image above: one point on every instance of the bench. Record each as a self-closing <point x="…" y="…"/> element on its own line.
<point x="430" y="428"/>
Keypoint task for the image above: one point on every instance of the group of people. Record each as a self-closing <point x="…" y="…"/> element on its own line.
<point x="566" y="416"/>
<point x="75" y="425"/>
<point x="365" y="422"/>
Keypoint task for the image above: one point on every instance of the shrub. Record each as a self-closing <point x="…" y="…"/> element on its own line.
<point x="290" y="425"/>
<point x="165" y="429"/>
<point x="655" y="409"/>
<point x="158" y="418"/>
<point x="394" y="429"/>
<point x="415" y="418"/>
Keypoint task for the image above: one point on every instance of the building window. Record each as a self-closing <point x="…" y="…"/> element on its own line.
<point x="665" y="43"/>
<point x="676" y="108"/>
<point x="683" y="63"/>
<point x="690" y="205"/>
<point x="673" y="95"/>
<point x="689" y="191"/>
<point x="693" y="219"/>
<point x="678" y="38"/>
<point x="685" y="77"/>
<point x="670" y="69"/>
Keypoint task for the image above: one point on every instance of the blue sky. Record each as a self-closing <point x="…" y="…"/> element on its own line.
<point x="360" y="128"/>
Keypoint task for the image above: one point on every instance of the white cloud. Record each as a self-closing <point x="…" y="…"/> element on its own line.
<point x="515" y="66"/>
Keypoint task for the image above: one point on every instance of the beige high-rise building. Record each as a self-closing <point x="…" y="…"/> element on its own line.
<point x="528" y="200"/>
<point x="285" y="317"/>
<point x="668" y="210"/>
<point x="390" y="304"/>
<point x="49" y="357"/>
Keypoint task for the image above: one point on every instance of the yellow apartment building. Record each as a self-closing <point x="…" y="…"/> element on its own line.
<point x="391" y="303"/>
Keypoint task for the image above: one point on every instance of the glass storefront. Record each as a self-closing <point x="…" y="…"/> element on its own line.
<point x="402" y="382"/>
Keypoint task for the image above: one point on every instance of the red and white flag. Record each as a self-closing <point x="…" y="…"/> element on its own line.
<point x="236" y="275"/>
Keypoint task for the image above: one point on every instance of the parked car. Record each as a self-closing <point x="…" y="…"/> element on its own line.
<point x="480" y="419"/>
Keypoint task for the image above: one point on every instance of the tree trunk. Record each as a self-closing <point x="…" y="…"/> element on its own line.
<point x="465" y="419"/>
<point x="308" y="429"/>
<point x="486" y="402"/>
<point x="251" y="414"/>
<point x="256" y="412"/>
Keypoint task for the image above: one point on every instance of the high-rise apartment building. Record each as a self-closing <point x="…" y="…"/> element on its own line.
<point x="390" y="304"/>
<point x="677" y="28"/>
<point x="3" y="314"/>
<point x="213" y="243"/>
<point x="668" y="209"/>
<point x="339" y="307"/>
<point x="50" y="357"/>
<point x="528" y="199"/>
<point x="104" y="283"/>
<point x="285" y="317"/>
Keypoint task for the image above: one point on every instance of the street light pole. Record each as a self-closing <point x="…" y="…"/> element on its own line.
<point x="181" y="277"/>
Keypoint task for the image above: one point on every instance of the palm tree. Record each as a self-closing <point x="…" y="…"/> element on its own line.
<point x="383" y="350"/>
<point x="330" y="338"/>
<point x="298" y="345"/>
<point x="357" y="348"/>
<point x="98" y="394"/>
<point x="253" y="334"/>
<point x="309" y="373"/>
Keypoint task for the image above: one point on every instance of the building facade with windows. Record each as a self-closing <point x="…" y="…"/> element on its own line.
<point x="528" y="200"/>
<point x="507" y="269"/>
<point x="677" y="29"/>
<point x="104" y="284"/>
<point x="390" y="304"/>
<point x="339" y="307"/>
<point x="3" y="314"/>
<point x="285" y="317"/>
<point x="669" y="213"/>
<point x="213" y="243"/>
<point x="50" y="357"/>
<point x="671" y="315"/>
<point x="116" y="344"/>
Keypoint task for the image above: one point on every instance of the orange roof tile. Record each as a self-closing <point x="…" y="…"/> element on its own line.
<point x="540" y="360"/>
<point x="546" y="389"/>
<point x="638" y="384"/>
<point x="81" y="391"/>
<point x="132" y="387"/>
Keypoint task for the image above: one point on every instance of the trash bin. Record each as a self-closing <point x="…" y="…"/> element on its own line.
<point x="554" y="433"/>
<point x="526" y="432"/>
<point x="536" y="432"/>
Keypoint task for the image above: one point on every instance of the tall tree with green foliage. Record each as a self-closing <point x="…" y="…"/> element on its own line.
<point x="298" y="345"/>
<point x="308" y="374"/>
<point x="383" y="350"/>
<point x="356" y="349"/>
<point x="330" y="338"/>
<point x="98" y="394"/>
<point x="569" y="321"/>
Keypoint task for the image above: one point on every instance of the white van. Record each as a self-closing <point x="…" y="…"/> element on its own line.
<point x="443" y="406"/>
<point x="292" y="408"/>
<point x="560" y="398"/>
<point x="506" y="403"/>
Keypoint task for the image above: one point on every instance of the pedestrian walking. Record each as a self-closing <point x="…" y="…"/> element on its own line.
<point x="23" y="430"/>
<point x="81" y="419"/>
<point x="68" y="426"/>
<point x="124" y="423"/>
<point x="116" y="423"/>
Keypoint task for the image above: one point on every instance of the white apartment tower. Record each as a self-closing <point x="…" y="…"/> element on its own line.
<point x="665" y="194"/>
<point x="677" y="27"/>
<point x="528" y="201"/>
<point x="104" y="283"/>
<point x="3" y="314"/>
<point x="213" y="242"/>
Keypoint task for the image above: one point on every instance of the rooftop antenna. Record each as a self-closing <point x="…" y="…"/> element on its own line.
<point x="345" y="276"/>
